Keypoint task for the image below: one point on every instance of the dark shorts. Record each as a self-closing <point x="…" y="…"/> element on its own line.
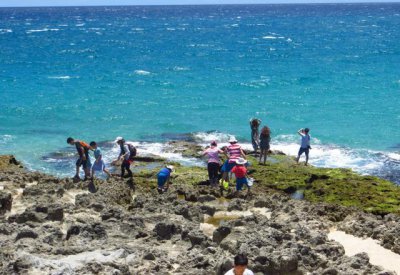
<point x="240" y="182"/>
<point x="227" y="167"/>
<point x="84" y="163"/>
<point x="304" y="150"/>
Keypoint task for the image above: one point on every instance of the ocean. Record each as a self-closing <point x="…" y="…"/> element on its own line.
<point x="159" y="73"/>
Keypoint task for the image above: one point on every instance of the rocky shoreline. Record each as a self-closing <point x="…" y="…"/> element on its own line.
<point x="55" y="226"/>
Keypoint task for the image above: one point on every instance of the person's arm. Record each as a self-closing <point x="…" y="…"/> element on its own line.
<point x="220" y="151"/>
<point x="80" y="150"/>
<point x="242" y="153"/>
<point x="300" y="132"/>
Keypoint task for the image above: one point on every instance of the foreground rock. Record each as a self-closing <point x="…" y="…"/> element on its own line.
<point x="56" y="226"/>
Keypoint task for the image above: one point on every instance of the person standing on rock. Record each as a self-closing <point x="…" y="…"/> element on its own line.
<point x="240" y="266"/>
<point x="213" y="163"/>
<point x="234" y="152"/>
<point x="305" y="144"/>
<point x="84" y="159"/>
<point x="240" y="172"/>
<point x="265" y="139"/>
<point x="124" y="157"/>
<point x="99" y="164"/>
<point x="254" y="124"/>
<point x="163" y="178"/>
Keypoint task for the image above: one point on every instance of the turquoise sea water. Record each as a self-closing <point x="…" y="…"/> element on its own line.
<point x="151" y="73"/>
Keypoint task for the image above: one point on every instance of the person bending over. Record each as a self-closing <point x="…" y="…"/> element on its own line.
<point x="163" y="178"/>
<point x="124" y="157"/>
<point x="83" y="160"/>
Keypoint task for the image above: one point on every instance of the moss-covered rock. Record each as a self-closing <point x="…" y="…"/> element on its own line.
<point x="331" y="185"/>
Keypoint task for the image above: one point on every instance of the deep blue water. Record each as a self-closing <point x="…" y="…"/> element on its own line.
<point x="140" y="72"/>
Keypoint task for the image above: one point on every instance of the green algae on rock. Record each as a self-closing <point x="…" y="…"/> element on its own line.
<point x="331" y="185"/>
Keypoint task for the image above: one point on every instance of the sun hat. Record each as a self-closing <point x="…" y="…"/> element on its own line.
<point x="232" y="140"/>
<point x="170" y="167"/>
<point x="118" y="139"/>
<point x="241" y="161"/>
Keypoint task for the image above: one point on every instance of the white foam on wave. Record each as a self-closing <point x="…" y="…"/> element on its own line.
<point x="162" y="150"/>
<point x="177" y="68"/>
<point x="269" y="37"/>
<point x="4" y="139"/>
<point x="141" y="72"/>
<point x="62" y="77"/>
<point x="321" y="155"/>
<point x="41" y="30"/>
<point x="6" y="31"/>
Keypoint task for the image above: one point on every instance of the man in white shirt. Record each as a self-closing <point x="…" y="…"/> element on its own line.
<point x="240" y="267"/>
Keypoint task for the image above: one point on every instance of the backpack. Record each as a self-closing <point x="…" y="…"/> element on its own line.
<point x="132" y="151"/>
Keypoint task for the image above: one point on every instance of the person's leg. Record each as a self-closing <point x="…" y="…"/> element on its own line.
<point x="107" y="172"/>
<point x="128" y="168"/>
<point x="77" y="165"/>
<point x="265" y="154"/>
<point x="215" y="170"/>
<point x="261" y="154"/>
<point x="123" y="169"/>
<point x="92" y="173"/>
<point x="299" y="154"/>
<point x="210" y="173"/>
<point x="307" y="152"/>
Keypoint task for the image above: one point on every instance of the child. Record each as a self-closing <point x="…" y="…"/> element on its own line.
<point x="240" y="172"/>
<point x="163" y="178"/>
<point x="99" y="163"/>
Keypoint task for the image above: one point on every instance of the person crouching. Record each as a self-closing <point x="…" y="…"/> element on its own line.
<point x="163" y="178"/>
<point x="240" y="172"/>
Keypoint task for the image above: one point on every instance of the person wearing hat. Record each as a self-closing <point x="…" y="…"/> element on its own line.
<point x="213" y="162"/>
<point x="234" y="152"/>
<point x="240" y="172"/>
<point x="305" y="144"/>
<point x="124" y="156"/>
<point x="163" y="178"/>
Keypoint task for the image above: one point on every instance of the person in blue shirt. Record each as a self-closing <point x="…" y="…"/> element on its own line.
<point x="163" y="178"/>
<point x="99" y="164"/>
<point x="305" y="144"/>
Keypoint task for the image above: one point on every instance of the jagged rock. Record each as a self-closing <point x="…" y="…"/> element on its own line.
<point x="5" y="202"/>
<point x="55" y="213"/>
<point x="196" y="238"/>
<point x="206" y="198"/>
<point x="220" y="233"/>
<point x="26" y="233"/>
<point x="165" y="231"/>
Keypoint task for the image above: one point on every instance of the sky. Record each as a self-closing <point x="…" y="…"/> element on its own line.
<point x="29" y="3"/>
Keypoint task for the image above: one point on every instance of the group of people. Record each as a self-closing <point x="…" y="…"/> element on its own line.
<point x="219" y="175"/>
<point x="236" y="162"/>
<point x="125" y="157"/>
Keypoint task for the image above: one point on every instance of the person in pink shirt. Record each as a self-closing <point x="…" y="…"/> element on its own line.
<point x="234" y="152"/>
<point x="213" y="165"/>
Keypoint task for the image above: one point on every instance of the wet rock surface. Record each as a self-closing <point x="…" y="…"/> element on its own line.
<point x="55" y="226"/>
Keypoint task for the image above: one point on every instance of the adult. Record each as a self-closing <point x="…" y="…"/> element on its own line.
<point x="213" y="162"/>
<point x="163" y="178"/>
<point x="254" y="124"/>
<point x="234" y="152"/>
<point x="305" y="144"/>
<point x="240" y="266"/>
<point x="84" y="159"/>
<point x="124" y="156"/>
<point x="265" y="139"/>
